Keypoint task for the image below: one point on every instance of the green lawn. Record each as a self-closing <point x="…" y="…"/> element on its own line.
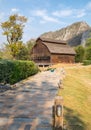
<point x="77" y="97"/>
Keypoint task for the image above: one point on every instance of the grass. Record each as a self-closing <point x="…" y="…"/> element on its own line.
<point x="77" y="97"/>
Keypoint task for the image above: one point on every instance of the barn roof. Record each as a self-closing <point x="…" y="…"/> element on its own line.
<point x="56" y="46"/>
<point x="59" y="48"/>
<point x="51" y="40"/>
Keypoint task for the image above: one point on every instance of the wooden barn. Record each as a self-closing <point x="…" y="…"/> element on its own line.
<point x="48" y="51"/>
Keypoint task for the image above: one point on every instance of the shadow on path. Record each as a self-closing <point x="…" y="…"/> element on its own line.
<point x="30" y="106"/>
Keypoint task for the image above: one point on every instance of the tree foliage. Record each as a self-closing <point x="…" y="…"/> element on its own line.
<point x="23" y="53"/>
<point x="6" y="52"/>
<point x="88" y="42"/>
<point x="79" y="53"/>
<point x="83" y="54"/>
<point x="30" y="44"/>
<point x="18" y="51"/>
<point x="13" y="30"/>
<point x="1" y="53"/>
<point x="88" y="53"/>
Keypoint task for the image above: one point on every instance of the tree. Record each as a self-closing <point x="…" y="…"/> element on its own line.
<point x="1" y="54"/>
<point x="23" y="53"/>
<point x="13" y="30"/>
<point x="88" y="53"/>
<point x="79" y="53"/>
<point x="88" y="42"/>
<point x="20" y="52"/>
<point x="6" y="52"/>
<point x="15" y="48"/>
<point x="30" y="44"/>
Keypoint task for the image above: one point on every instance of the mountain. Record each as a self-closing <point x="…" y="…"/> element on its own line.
<point x="74" y="34"/>
<point x="85" y="36"/>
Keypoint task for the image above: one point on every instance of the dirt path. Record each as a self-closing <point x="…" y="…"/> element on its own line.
<point x="30" y="106"/>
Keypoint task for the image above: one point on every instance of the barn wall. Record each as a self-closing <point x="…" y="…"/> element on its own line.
<point x="62" y="58"/>
<point x="40" y="53"/>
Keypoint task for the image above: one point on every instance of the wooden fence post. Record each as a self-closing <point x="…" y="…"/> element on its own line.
<point x="58" y="113"/>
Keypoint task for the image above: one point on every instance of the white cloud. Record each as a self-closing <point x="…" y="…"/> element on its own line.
<point x="42" y="21"/>
<point x="77" y="13"/>
<point x="63" y="13"/>
<point x="88" y="6"/>
<point x="45" y="17"/>
<point x="50" y="19"/>
<point x="39" y="12"/>
<point x="81" y="13"/>
<point x="14" y="10"/>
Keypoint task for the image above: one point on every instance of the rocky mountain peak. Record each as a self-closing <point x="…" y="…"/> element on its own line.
<point x="72" y="33"/>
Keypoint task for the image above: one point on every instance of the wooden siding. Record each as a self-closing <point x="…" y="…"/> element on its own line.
<point x="40" y="53"/>
<point x="62" y="58"/>
<point x="43" y="53"/>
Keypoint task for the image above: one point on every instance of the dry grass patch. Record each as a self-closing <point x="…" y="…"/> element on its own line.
<point x="77" y="97"/>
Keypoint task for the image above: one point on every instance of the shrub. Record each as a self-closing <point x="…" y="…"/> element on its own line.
<point x="5" y="70"/>
<point x="86" y="62"/>
<point x="14" y="71"/>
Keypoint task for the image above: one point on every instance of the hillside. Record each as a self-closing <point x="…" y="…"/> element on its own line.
<point x="73" y="34"/>
<point x="77" y="97"/>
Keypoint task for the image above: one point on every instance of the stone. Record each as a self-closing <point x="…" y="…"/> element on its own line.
<point x="3" y="121"/>
<point x="72" y="33"/>
<point x="30" y="105"/>
<point x="27" y="127"/>
<point x="14" y="126"/>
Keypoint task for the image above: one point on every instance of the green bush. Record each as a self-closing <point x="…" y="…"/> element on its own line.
<point x="86" y="62"/>
<point x="14" y="71"/>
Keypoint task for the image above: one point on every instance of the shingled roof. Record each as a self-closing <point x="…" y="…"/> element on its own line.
<point x="51" y="40"/>
<point x="57" y="47"/>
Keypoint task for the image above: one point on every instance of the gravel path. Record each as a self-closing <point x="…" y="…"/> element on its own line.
<point x="30" y="106"/>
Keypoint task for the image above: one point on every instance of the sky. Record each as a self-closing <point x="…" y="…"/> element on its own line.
<point x="45" y="15"/>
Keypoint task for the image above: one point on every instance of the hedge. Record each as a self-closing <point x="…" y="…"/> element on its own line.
<point x="87" y="62"/>
<point x="14" y="71"/>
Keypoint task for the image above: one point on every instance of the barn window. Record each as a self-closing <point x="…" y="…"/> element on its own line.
<point x="42" y="58"/>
